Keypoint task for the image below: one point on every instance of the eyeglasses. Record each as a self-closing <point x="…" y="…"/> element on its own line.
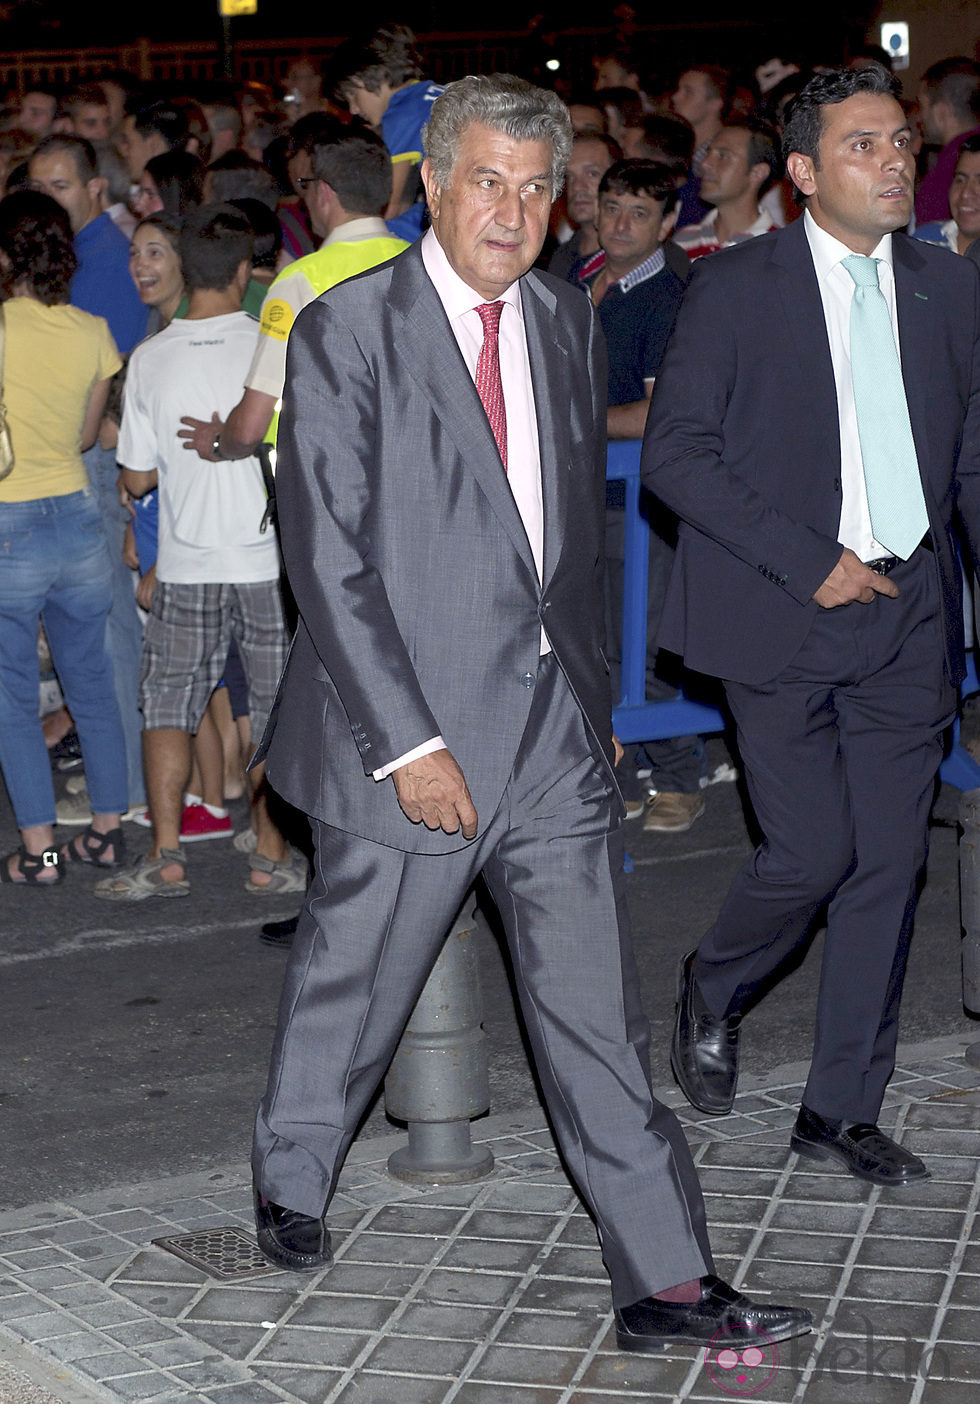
<point x="304" y="181"/>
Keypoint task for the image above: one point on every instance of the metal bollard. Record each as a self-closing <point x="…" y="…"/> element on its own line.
<point x="438" y="1077"/>
<point x="969" y="817"/>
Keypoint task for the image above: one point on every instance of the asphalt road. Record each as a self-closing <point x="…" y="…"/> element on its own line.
<point x="134" y="1039"/>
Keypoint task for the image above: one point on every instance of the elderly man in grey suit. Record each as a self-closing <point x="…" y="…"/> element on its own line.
<point x="444" y="711"/>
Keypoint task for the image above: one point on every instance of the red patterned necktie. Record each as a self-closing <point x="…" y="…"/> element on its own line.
<point x="488" y="383"/>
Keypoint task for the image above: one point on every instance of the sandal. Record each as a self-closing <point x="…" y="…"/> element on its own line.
<point x="288" y="876"/>
<point x="31" y="866"/>
<point x="144" y="880"/>
<point x="91" y="847"/>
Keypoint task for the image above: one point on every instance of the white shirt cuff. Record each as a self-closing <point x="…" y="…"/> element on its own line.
<point x="426" y="748"/>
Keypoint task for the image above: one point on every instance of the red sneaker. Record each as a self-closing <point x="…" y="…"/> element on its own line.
<point x="197" y="823"/>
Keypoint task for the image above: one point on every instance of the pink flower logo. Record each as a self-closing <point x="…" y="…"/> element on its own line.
<point x="739" y="1369"/>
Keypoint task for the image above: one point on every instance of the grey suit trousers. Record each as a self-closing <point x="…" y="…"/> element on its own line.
<point x="373" y="924"/>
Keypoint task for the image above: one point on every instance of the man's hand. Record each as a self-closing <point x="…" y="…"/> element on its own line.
<point x="146" y="587"/>
<point x="618" y="752"/>
<point x="432" y="791"/>
<point x="851" y="580"/>
<point x="200" y="434"/>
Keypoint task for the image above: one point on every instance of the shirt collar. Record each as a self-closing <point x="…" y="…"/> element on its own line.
<point x="370" y="227"/>
<point x="649" y="268"/>
<point x="456" y="296"/>
<point x="828" y="252"/>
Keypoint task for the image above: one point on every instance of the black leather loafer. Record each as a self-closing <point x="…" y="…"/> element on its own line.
<point x="704" y="1051"/>
<point x="650" y="1325"/>
<point x="862" y="1149"/>
<point x="279" y="933"/>
<point x="290" y="1240"/>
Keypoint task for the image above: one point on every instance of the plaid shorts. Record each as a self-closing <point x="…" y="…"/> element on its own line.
<point x="185" y="646"/>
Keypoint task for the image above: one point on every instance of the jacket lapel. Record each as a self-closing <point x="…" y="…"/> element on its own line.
<point x="425" y="341"/>
<point x="807" y="329"/>
<point x="551" y="369"/>
<point x="916" y="326"/>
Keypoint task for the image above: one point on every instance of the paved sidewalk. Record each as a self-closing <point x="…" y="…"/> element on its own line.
<point x="494" y="1293"/>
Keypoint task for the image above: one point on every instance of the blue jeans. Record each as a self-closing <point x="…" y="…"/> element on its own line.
<point x="54" y="565"/>
<point x="125" y="631"/>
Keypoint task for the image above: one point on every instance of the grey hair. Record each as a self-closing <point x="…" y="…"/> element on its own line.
<point x="505" y="103"/>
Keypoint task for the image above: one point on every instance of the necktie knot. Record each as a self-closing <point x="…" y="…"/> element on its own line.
<point x="863" y="270"/>
<point x="490" y="317"/>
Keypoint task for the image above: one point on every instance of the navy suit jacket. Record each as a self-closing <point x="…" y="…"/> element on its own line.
<point x="743" y="443"/>
<point x="420" y="607"/>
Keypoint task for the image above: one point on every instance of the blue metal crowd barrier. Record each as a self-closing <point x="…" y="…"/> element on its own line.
<point x="636" y="719"/>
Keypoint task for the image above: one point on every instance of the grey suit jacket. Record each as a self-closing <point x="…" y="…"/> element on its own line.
<point x="419" y="601"/>
<point x="743" y="442"/>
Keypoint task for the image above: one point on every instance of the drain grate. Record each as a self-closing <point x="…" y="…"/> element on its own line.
<point x="220" y="1252"/>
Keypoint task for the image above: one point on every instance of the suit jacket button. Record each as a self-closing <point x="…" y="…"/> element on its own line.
<point x="527" y="680"/>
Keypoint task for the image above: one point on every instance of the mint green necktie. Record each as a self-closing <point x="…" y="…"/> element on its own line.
<point x="891" y="470"/>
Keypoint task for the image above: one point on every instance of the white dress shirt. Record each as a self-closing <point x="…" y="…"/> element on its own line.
<point x="837" y="292"/>
<point x="460" y="302"/>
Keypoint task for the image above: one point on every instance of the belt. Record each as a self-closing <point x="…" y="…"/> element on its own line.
<point x="884" y="565"/>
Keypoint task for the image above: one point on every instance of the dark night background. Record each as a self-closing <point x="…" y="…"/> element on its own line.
<point x="748" y="32"/>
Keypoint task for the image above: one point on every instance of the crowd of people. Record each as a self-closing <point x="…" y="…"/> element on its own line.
<point x="730" y="260"/>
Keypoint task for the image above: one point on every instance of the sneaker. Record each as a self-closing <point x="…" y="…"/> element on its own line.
<point x="672" y="813"/>
<point x="143" y="819"/>
<point x="66" y="754"/>
<point x="76" y="808"/>
<point x="76" y="783"/>
<point x="198" y="823"/>
<point x="634" y="807"/>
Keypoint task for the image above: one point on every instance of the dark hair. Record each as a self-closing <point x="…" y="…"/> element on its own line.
<point x="167" y="225"/>
<point x="87" y="95"/>
<point x="305" y="132"/>
<point x="167" y="119"/>
<point x="638" y="177"/>
<point x="236" y="176"/>
<point x="355" y="163"/>
<point x="804" y="117"/>
<point x="955" y="81"/>
<point x="197" y="126"/>
<point x="971" y="146"/>
<point x="669" y="141"/>
<point x="179" y="178"/>
<point x="763" y="148"/>
<point x="628" y="103"/>
<point x="372" y="56"/>
<point x="266" y="228"/>
<point x="213" y="241"/>
<point x="81" y="151"/>
<point x="36" y="237"/>
<point x="719" y="79"/>
<point x="604" y="139"/>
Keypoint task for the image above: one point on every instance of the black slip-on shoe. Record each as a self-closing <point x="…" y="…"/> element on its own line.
<point x="290" y="1240"/>
<point x="650" y="1326"/>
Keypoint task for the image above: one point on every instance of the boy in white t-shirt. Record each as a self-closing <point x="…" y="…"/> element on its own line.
<point x="218" y="566"/>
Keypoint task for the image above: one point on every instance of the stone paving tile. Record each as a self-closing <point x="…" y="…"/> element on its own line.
<point x="890" y="1285"/>
<point x="500" y="1272"/>
<point x="414" y="1355"/>
<point x="469" y="1288"/>
<point x="574" y="1330"/>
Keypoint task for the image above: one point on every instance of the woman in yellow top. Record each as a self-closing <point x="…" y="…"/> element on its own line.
<point x="54" y="561"/>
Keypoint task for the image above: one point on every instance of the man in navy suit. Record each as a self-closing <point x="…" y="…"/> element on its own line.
<point x="841" y="655"/>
